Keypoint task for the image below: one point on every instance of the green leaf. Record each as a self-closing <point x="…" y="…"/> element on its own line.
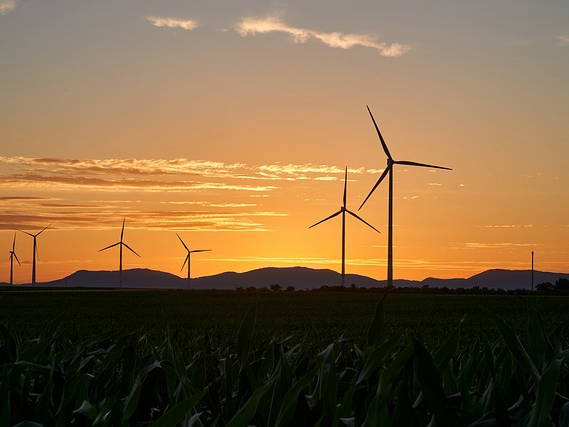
<point x="28" y="424"/>
<point x="246" y="333"/>
<point x="289" y="402"/>
<point x="444" y="354"/>
<point x="376" y="329"/>
<point x="432" y="387"/>
<point x="516" y="347"/>
<point x="564" y="415"/>
<point x="546" y="387"/>
<point x="176" y="413"/>
<point x="246" y="413"/>
<point x="131" y="402"/>
<point x="374" y="360"/>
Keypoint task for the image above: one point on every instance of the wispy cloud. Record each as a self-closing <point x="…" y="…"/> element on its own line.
<point x="502" y="245"/>
<point x="263" y="25"/>
<point x="161" y="22"/>
<point x="78" y="218"/>
<point x="106" y="170"/>
<point x="508" y="226"/>
<point x="213" y="205"/>
<point x="562" y="40"/>
<point x="6" y="6"/>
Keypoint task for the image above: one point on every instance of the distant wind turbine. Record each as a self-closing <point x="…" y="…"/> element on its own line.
<point x="120" y="244"/>
<point x="188" y="258"/>
<point x="35" y="252"/>
<point x="343" y="210"/>
<point x="12" y="256"/>
<point x="389" y="170"/>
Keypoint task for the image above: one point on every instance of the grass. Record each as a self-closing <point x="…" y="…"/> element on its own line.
<point x="308" y="358"/>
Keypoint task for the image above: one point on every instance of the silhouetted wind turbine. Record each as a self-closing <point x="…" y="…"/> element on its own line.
<point x="343" y="210"/>
<point x="389" y="170"/>
<point x="35" y="237"/>
<point x="188" y="258"/>
<point x="12" y="256"/>
<point x="120" y="244"/>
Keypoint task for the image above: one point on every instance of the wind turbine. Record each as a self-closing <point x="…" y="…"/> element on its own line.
<point x="12" y="256"/>
<point x="35" y="237"/>
<point x="120" y="244"/>
<point x="189" y="252"/>
<point x="343" y="210"/>
<point x="389" y="171"/>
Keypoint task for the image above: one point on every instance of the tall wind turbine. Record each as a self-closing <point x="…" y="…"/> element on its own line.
<point x="389" y="171"/>
<point x="120" y="244"/>
<point x="343" y="210"/>
<point x="35" y="253"/>
<point x="188" y="258"/>
<point x="12" y="256"/>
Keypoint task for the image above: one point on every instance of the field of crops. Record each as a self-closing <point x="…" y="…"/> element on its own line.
<point x="303" y="358"/>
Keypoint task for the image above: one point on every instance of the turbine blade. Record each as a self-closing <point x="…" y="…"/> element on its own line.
<point x="16" y="256"/>
<point x="109" y="247"/>
<point x="363" y="220"/>
<point x="326" y="219"/>
<point x="185" y="261"/>
<point x="200" y="250"/>
<point x="14" y="243"/>
<point x="182" y="242"/>
<point x="25" y="232"/>
<point x="424" y="165"/>
<point x="130" y="249"/>
<point x="38" y="251"/>
<point x="122" y="229"/>
<point x="345" y="185"/>
<point x="381" y="178"/>
<point x="383" y="144"/>
<point x="45" y="228"/>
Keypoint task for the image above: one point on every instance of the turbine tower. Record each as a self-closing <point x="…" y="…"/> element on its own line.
<point x="343" y="210"/>
<point x="35" y="251"/>
<point x="188" y="258"/>
<point x="12" y="256"/>
<point x="120" y="244"/>
<point x="389" y="171"/>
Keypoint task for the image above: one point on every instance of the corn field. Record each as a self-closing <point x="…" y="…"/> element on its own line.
<point x="512" y="380"/>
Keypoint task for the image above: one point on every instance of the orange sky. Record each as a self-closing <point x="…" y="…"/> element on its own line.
<point x="233" y="128"/>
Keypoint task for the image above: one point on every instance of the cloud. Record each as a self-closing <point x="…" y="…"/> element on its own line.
<point x="107" y="169"/>
<point x="23" y="198"/>
<point x="504" y="245"/>
<point x="508" y="226"/>
<point x="6" y="6"/>
<point x="562" y="40"/>
<point x="184" y="24"/>
<point x="61" y="182"/>
<point x="213" y="205"/>
<point x="78" y="218"/>
<point x="264" y="25"/>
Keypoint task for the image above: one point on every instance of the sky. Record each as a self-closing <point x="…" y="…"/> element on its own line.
<point x="231" y="123"/>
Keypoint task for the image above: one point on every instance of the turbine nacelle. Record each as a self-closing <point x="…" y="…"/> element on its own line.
<point x="188" y="253"/>
<point x="389" y="171"/>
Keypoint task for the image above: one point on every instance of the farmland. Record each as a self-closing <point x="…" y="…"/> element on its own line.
<point x="286" y="358"/>
<point x="323" y="315"/>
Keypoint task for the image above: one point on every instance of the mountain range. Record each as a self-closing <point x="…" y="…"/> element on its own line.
<point x="298" y="277"/>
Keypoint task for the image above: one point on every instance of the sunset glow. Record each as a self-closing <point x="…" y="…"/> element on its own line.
<point x="232" y="127"/>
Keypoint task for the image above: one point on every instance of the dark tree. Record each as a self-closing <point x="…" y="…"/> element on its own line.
<point x="545" y="287"/>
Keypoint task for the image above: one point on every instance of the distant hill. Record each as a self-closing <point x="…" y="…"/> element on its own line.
<point x="299" y="277"/>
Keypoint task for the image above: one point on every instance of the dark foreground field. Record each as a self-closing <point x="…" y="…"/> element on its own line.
<point x="170" y="358"/>
<point x="324" y="316"/>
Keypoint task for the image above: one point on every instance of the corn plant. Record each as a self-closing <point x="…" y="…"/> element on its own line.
<point x="515" y="380"/>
